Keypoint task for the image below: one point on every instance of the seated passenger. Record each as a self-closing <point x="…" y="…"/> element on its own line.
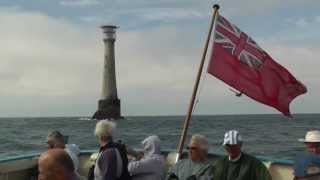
<point x="238" y="165"/>
<point x="56" y="140"/>
<point x="56" y="164"/>
<point x="152" y="164"/>
<point x="308" y="166"/>
<point x="196" y="166"/>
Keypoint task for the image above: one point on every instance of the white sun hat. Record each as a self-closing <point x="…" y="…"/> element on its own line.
<point x="311" y="136"/>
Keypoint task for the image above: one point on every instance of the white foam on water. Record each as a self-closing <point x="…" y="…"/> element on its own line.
<point x="85" y="119"/>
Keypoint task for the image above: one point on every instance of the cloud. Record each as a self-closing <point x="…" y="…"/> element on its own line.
<point x="79" y="2"/>
<point x="168" y="14"/>
<point x="304" y="22"/>
<point x="153" y="16"/>
<point x="262" y="7"/>
<point x="168" y="84"/>
<point x="56" y="66"/>
<point x="54" y="59"/>
<point x="92" y="19"/>
<point x="44" y="55"/>
<point x="154" y="13"/>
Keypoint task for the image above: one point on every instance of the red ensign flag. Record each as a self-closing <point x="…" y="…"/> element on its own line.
<point x="238" y="61"/>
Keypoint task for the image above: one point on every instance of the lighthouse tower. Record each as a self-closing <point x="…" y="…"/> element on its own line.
<point x="109" y="104"/>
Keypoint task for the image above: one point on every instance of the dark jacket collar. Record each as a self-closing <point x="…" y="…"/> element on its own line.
<point x="106" y="146"/>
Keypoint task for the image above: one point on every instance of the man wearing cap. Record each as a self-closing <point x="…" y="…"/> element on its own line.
<point x="238" y="165"/>
<point x="308" y="166"/>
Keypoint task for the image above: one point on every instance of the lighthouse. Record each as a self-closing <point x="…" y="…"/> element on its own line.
<point x="109" y="103"/>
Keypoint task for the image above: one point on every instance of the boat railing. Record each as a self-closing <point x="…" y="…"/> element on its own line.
<point x="26" y="165"/>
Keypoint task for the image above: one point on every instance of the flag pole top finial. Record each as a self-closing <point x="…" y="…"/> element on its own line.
<point x="216" y="6"/>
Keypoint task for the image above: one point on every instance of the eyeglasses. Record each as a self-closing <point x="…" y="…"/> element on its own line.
<point x="192" y="148"/>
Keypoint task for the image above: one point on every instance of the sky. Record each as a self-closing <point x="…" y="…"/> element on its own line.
<point x="52" y="54"/>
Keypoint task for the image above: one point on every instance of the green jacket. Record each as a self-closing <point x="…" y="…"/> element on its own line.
<point x="246" y="168"/>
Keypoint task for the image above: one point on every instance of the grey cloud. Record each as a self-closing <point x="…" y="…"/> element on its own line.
<point x="79" y="2"/>
<point x="262" y="7"/>
<point x="58" y="67"/>
<point x="93" y="19"/>
<point x="154" y="14"/>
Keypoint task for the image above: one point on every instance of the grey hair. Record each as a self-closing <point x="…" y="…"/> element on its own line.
<point x="105" y="129"/>
<point x="201" y="140"/>
<point x="57" y="136"/>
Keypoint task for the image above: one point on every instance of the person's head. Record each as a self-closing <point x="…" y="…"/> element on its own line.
<point x="312" y="141"/>
<point x="56" y="140"/>
<point x="232" y="143"/>
<point x="104" y="131"/>
<point x="55" y="164"/>
<point x="198" y="148"/>
<point x="313" y="147"/>
<point x="151" y="145"/>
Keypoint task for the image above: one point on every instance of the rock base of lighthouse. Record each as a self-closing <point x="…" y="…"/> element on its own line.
<point x="108" y="109"/>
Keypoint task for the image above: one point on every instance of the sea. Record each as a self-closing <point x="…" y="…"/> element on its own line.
<point x="274" y="136"/>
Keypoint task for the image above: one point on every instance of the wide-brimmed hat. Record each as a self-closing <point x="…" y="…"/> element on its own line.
<point x="311" y="136"/>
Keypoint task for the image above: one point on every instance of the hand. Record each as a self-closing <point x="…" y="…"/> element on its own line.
<point x="131" y="157"/>
<point x="140" y="155"/>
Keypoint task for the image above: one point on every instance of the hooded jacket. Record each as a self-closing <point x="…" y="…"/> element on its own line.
<point x="152" y="165"/>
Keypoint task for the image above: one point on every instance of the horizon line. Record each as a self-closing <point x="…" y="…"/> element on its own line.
<point x="74" y="116"/>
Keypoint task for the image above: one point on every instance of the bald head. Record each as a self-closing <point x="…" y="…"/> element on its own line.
<point x="55" y="164"/>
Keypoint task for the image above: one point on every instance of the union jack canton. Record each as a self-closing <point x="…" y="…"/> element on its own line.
<point x="238" y="43"/>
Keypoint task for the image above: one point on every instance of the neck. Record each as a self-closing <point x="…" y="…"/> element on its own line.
<point x="103" y="143"/>
<point x="235" y="157"/>
<point x="62" y="146"/>
<point x="201" y="159"/>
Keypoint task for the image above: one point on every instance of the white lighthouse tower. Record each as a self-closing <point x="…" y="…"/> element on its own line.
<point x="109" y="104"/>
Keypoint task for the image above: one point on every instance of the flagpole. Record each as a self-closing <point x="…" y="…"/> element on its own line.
<point x="195" y="87"/>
